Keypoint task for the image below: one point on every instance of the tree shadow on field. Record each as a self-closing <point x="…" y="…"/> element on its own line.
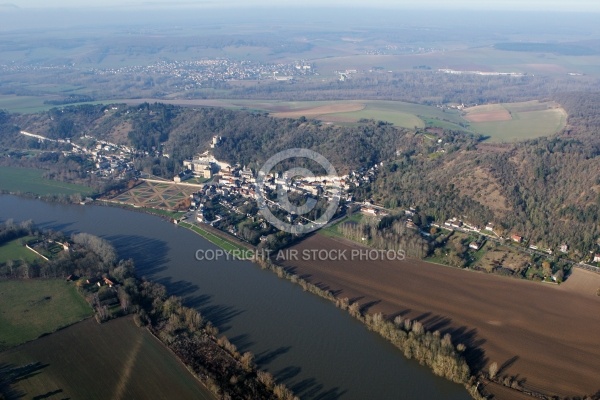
<point x="11" y="374"/>
<point x="507" y="364"/>
<point x="474" y="354"/>
<point x="364" y="308"/>
<point x="47" y="395"/>
<point x="437" y="323"/>
<point x="355" y="299"/>
<point x="294" y="270"/>
<point x="402" y="313"/>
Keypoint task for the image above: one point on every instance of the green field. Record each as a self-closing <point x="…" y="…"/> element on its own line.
<point x="332" y="230"/>
<point x="28" y="180"/>
<point x="32" y="104"/>
<point x="30" y="308"/>
<point x="227" y="245"/>
<point x="14" y="250"/>
<point x="372" y="111"/>
<point x="114" y="360"/>
<point x="402" y="114"/>
<point x="528" y="120"/>
<point x="23" y="104"/>
<point x="164" y="213"/>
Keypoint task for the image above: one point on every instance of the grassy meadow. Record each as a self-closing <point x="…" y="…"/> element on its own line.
<point x="30" y="308"/>
<point x="526" y="120"/>
<point x="14" y="250"/>
<point x="227" y="245"/>
<point x="28" y="180"/>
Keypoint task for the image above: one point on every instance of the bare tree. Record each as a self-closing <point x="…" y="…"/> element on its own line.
<point x="493" y="370"/>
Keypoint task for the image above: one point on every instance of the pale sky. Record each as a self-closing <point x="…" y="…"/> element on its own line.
<point x="525" y="5"/>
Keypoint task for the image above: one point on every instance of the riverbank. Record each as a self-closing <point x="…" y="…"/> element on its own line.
<point x="543" y="335"/>
<point x="426" y="346"/>
<point x="297" y="338"/>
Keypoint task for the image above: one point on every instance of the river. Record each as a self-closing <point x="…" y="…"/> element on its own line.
<point x="319" y="351"/>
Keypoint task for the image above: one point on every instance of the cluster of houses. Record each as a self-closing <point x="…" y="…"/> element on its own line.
<point x="193" y="73"/>
<point x="110" y="160"/>
<point x="231" y="186"/>
<point x="232" y="183"/>
<point x="489" y="230"/>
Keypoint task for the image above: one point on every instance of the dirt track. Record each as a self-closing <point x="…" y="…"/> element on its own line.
<point x="544" y="334"/>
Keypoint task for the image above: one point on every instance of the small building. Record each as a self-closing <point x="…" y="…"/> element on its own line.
<point x="516" y="238"/>
<point x="109" y="282"/>
<point x="456" y="224"/>
<point x="474" y="245"/>
<point x="93" y="281"/>
<point x="368" y="210"/>
<point x="596" y="257"/>
<point x="489" y="227"/>
<point x="182" y="176"/>
<point x="564" y="248"/>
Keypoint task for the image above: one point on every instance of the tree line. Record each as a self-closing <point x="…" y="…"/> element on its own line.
<point x="431" y="349"/>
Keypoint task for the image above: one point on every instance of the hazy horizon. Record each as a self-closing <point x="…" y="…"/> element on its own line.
<point x="475" y="5"/>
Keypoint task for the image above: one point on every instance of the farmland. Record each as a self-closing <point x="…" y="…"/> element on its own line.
<point x="484" y="58"/>
<point x="115" y="360"/>
<point x="402" y="114"/>
<point x="15" y="250"/>
<point x="30" y="308"/>
<point x="500" y="122"/>
<point x="516" y="121"/>
<point x="28" y="180"/>
<point x="511" y="322"/>
<point x="23" y="104"/>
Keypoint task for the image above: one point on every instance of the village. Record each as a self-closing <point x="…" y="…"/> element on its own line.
<point x="225" y="197"/>
<point x="228" y="200"/>
<point x="195" y="73"/>
<point x="106" y="159"/>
